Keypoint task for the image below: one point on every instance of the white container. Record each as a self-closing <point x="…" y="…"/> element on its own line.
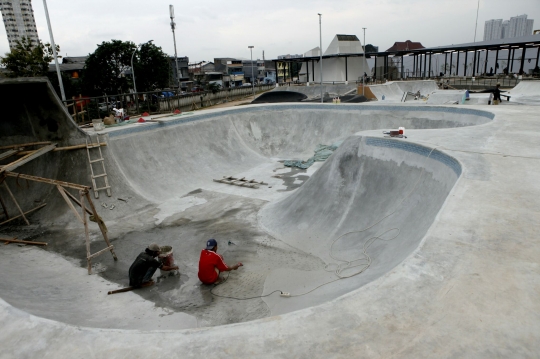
<point x="98" y="125"/>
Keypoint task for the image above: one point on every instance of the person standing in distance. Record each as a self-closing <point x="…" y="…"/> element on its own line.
<point x="211" y="264"/>
<point x="144" y="267"/>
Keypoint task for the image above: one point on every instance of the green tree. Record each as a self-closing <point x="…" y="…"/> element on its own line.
<point x="108" y="69"/>
<point x="151" y="68"/>
<point x="27" y="60"/>
<point x="370" y="48"/>
<point x="105" y="68"/>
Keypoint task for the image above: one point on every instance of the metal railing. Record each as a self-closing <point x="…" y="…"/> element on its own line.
<point x="84" y="109"/>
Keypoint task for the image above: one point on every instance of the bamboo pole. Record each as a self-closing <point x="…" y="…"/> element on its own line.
<point x="47" y="180"/>
<point x="63" y="193"/>
<point x="16" y="203"/>
<point x="25" y="145"/>
<point x="86" y="234"/>
<point x="67" y="148"/>
<point x="101" y="225"/>
<point x="32" y="210"/>
<point x="8" y="241"/>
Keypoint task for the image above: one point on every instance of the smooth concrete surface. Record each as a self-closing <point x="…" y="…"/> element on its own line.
<point x="394" y="91"/>
<point x="314" y="90"/>
<point x="442" y="97"/>
<point x="468" y="287"/>
<point x="526" y="93"/>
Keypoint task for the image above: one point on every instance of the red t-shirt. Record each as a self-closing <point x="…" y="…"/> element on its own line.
<point x="207" y="263"/>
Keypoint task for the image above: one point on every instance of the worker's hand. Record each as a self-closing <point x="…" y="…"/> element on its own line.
<point x="239" y="265"/>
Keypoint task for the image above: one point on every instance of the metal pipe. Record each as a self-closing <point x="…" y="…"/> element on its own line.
<point x="364" y="76"/>
<point x="320" y="48"/>
<point x="173" y="26"/>
<point x="60" y="83"/>
<point x="252" y="75"/>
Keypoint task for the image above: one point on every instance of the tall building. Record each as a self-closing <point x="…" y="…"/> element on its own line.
<point x="493" y="29"/>
<point x="19" y="21"/>
<point x="515" y="27"/>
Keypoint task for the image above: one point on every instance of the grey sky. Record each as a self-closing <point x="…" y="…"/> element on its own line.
<point x="210" y="28"/>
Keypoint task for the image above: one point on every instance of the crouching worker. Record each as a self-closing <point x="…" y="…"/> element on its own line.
<point x="144" y="267"/>
<point x="211" y="264"/>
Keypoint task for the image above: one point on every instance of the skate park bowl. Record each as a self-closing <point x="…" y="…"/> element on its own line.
<point x="358" y="214"/>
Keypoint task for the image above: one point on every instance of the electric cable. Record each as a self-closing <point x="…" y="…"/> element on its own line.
<point x="247" y="298"/>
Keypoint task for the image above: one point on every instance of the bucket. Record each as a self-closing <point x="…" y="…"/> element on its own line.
<point x="98" y="124"/>
<point x="166" y="257"/>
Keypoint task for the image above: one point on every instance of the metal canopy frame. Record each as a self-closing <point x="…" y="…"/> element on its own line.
<point x="423" y="56"/>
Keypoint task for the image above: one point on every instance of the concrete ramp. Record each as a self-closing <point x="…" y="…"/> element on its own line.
<point x="372" y="189"/>
<point x="526" y="92"/>
<point x="447" y="97"/>
<point x="394" y="91"/>
<point x="314" y="90"/>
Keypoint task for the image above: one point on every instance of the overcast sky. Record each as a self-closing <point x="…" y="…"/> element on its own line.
<point x="212" y="28"/>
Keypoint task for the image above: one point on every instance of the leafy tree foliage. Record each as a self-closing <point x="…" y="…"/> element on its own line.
<point x="152" y="68"/>
<point x="108" y="69"/>
<point x="370" y="48"/>
<point x="105" y="68"/>
<point x="213" y="87"/>
<point x="27" y="60"/>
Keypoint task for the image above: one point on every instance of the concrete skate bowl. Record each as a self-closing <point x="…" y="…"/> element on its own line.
<point x="279" y="96"/>
<point x="282" y="233"/>
<point x="525" y="93"/>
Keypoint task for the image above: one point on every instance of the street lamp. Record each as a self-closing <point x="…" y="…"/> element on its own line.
<point x="320" y="49"/>
<point x="252" y="76"/>
<point x="363" y="76"/>
<point x="133" y="73"/>
<point x="132" y="68"/>
<point x="60" y="83"/>
<point x="173" y="25"/>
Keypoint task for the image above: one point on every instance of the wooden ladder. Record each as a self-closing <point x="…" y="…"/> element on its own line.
<point x="90" y="145"/>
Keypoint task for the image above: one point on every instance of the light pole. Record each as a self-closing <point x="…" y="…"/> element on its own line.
<point x="320" y="47"/>
<point x="364" y="76"/>
<point x="173" y="25"/>
<point x="60" y="83"/>
<point x="252" y="76"/>
<point x="133" y="74"/>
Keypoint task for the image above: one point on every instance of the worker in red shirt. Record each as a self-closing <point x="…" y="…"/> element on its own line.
<point x="211" y="264"/>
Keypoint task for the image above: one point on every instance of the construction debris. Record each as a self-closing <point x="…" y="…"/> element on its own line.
<point x="242" y="182"/>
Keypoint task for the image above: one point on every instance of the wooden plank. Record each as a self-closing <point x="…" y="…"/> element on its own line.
<point x="29" y="157"/>
<point x="67" y="148"/>
<point x="237" y="183"/>
<point x="7" y="154"/>
<point x="48" y="180"/>
<point x="19" y="145"/>
<point x="13" y="240"/>
<point x="32" y="210"/>
<point x="101" y="251"/>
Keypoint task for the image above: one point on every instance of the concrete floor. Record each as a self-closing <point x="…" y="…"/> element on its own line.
<point x="466" y="285"/>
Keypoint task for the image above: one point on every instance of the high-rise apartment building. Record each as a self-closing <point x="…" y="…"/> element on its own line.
<point x="19" y="21"/>
<point x="492" y="29"/>
<point x="515" y="27"/>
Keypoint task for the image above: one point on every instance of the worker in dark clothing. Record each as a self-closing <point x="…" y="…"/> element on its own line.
<point x="144" y="267"/>
<point x="497" y="94"/>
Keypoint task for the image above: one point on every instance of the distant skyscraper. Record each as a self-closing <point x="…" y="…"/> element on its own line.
<point x="492" y="29"/>
<point x="19" y="21"/>
<point x="515" y="27"/>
